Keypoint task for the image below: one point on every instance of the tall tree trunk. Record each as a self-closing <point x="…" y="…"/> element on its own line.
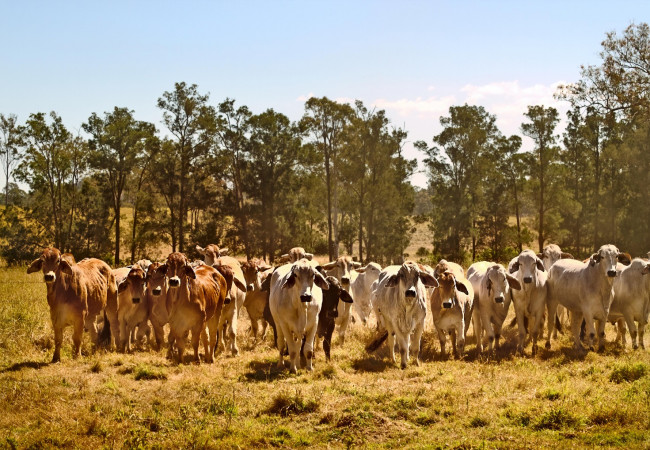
<point x="330" y="242"/>
<point x="519" y="243"/>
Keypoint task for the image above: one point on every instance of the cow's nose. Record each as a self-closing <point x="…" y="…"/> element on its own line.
<point x="447" y="304"/>
<point x="499" y="299"/>
<point x="345" y="280"/>
<point x="611" y="273"/>
<point x="410" y="293"/>
<point x="174" y="282"/>
<point x="135" y="300"/>
<point x="48" y="277"/>
<point x="250" y="288"/>
<point x="157" y="291"/>
<point x="305" y="298"/>
<point x="528" y="279"/>
<point x="226" y="301"/>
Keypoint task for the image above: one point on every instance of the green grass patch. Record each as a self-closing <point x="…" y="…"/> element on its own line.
<point x="557" y="419"/>
<point x="628" y="372"/>
<point x="286" y="404"/>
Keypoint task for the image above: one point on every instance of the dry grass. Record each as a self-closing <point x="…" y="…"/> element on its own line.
<point x="560" y="398"/>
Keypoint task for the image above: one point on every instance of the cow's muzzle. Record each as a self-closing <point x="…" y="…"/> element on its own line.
<point x="305" y="298"/>
<point x="332" y="314"/>
<point x="410" y="293"/>
<point x="345" y="281"/>
<point x="174" y="282"/>
<point x="528" y="280"/>
<point x="49" y="277"/>
<point x="135" y="300"/>
<point x="157" y="291"/>
<point x="611" y="273"/>
<point x="499" y="299"/>
<point x="250" y="288"/>
<point x="447" y="304"/>
<point x="226" y="301"/>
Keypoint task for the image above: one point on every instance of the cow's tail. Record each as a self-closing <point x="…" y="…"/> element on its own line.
<point x="374" y="345"/>
<point x="104" y="338"/>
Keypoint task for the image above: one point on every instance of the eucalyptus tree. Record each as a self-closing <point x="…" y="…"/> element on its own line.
<point x="117" y="143"/>
<point x="9" y="147"/>
<point x="192" y="123"/>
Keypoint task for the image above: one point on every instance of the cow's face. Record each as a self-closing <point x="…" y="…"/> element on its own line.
<point x="341" y="269"/>
<point x="499" y="283"/>
<point x="448" y="288"/>
<point x="303" y="275"/>
<point x="606" y="259"/>
<point x="527" y="264"/>
<point x="178" y="269"/>
<point x="408" y="277"/>
<point x="331" y="298"/>
<point x="252" y="273"/>
<point x="372" y="271"/>
<point x="211" y="253"/>
<point x="551" y="254"/>
<point x="157" y="279"/>
<point x="134" y="284"/>
<point x="50" y="263"/>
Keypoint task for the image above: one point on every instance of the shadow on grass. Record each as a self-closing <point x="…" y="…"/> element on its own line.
<point x="265" y="371"/>
<point x="373" y="364"/>
<point x="25" y="364"/>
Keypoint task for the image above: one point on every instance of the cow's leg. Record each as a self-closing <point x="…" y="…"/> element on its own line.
<point x="454" y="347"/>
<point x="294" y="341"/>
<point x="198" y="332"/>
<point x="486" y="321"/>
<point x="590" y="329"/>
<point x="265" y="325"/>
<point x="159" y="334"/>
<point x="327" y="340"/>
<point x="631" y="326"/>
<point x="344" y="323"/>
<point x="391" y="345"/>
<point x="520" y="313"/>
<point x="58" y="340"/>
<point x="620" y="331"/>
<point x="213" y="325"/>
<point x="91" y="326"/>
<point x="403" y="347"/>
<point x="232" y="330"/>
<point x="551" y="311"/>
<point x="206" y="346"/>
<point x="77" y="336"/>
<point x="308" y="351"/>
<point x="535" y="329"/>
<point x="478" y="329"/>
<point x="576" y="322"/>
<point x="461" y="339"/>
<point x="415" y="343"/>
<point x="254" y="330"/>
<point x="115" y="327"/>
<point x="600" y="331"/>
<point x="642" y="325"/>
<point x="280" y="341"/>
<point x="442" y="337"/>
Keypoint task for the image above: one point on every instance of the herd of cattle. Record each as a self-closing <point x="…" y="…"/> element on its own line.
<point x="304" y="301"/>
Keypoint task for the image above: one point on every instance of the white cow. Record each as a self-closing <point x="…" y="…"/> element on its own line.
<point x="295" y="301"/>
<point x="340" y="269"/>
<point x="551" y="254"/>
<point x="361" y="281"/>
<point x="632" y="299"/>
<point x="399" y="300"/>
<point x="230" y="313"/>
<point x="530" y="300"/>
<point x="295" y="254"/>
<point x="491" y="283"/>
<point x="586" y="290"/>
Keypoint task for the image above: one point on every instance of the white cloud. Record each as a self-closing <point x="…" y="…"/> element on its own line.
<point x="304" y="98"/>
<point x="431" y="107"/>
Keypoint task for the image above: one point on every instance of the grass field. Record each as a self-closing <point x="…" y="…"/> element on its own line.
<point x="559" y="399"/>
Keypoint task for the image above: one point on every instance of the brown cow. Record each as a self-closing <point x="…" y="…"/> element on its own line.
<point x="340" y="269"/>
<point x="255" y="272"/>
<point x="230" y="313"/>
<point x="132" y="307"/>
<point x="211" y="252"/>
<point x="295" y="254"/>
<point x="196" y="297"/>
<point x="76" y="294"/>
<point x="157" y="300"/>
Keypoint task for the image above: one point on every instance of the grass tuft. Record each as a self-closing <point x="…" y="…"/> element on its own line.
<point x="285" y="404"/>
<point x="478" y="422"/>
<point x="143" y="372"/>
<point x="628" y="372"/>
<point x="556" y="419"/>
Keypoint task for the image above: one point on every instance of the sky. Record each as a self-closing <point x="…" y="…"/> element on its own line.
<point x="414" y="59"/>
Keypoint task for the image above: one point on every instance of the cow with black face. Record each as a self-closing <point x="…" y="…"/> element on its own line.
<point x="329" y="312"/>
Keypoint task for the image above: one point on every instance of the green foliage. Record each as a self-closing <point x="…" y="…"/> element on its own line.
<point x="628" y="372"/>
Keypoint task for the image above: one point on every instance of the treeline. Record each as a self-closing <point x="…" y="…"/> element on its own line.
<point x="589" y="186"/>
<point x="260" y="183"/>
<point x="257" y="183"/>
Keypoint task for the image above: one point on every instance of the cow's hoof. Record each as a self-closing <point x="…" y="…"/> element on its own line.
<point x="547" y="346"/>
<point x="403" y="366"/>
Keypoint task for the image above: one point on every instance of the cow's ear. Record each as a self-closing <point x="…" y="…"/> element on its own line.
<point x="35" y="266"/>
<point x="65" y="267"/>
<point x="513" y="282"/>
<point x="163" y="269"/>
<point x="646" y="270"/>
<point x="392" y="281"/>
<point x="283" y="258"/>
<point x="594" y="259"/>
<point x="329" y="265"/>
<point x="190" y="272"/>
<point x="239" y="284"/>
<point x="566" y="255"/>
<point x="345" y="297"/>
<point x="266" y="284"/>
<point x="123" y="285"/>
<point x="200" y="249"/>
<point x="290" y="281"/>
<point x="428" y="280"/>
<point x="361" y="269"/>
<point x="224" y="251"/>
<point x="540" y="265"/>
<point x="356" y="264"/>
<point x="515" y="267"/>
<point x="460" y="287"/>
<point x="624" y="258"/>
<point x="309" y="256"/>
<point x="320" y="281"/>
<point x="488" y="284"/>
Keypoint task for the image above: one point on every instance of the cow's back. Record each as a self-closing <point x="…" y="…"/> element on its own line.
<point x="97" y="276"/>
